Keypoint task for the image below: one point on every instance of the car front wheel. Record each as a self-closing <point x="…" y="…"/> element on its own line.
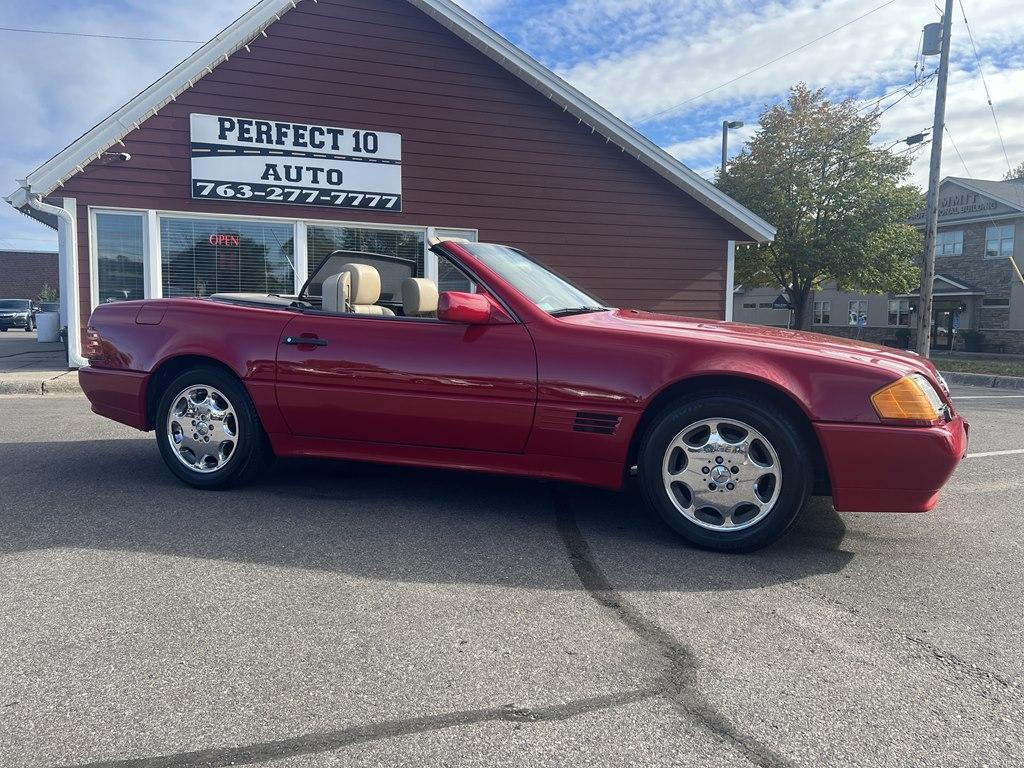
<point x="208" y="431"/>
<point x="725" y="473"/>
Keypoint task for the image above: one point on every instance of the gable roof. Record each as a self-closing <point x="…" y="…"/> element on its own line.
<point x="252" y="24"/>
<point x="1009" y="193"/>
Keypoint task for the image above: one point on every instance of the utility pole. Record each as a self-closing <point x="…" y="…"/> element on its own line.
<point x="924" y="309"/>
<point x="726" y="125"/>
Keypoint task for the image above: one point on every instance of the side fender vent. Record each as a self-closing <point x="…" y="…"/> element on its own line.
<point x="596" y="423"/>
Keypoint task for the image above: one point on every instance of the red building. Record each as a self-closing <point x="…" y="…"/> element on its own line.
<point x="312" y="125"/>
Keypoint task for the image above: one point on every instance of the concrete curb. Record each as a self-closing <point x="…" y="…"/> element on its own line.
<point x="63" y="384"/>
<point x="983" y="380"/>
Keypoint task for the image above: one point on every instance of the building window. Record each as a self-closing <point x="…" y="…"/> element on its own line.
<point x="995" y="303"/>
<point x="822" y="312"/>
<point x="858" y="309"/>
<point x="750" y="305"/>
<point x="206" y="256"/>
<point x="765" y="305"/>
<point x="406" y="244"/>
<point x="949" y="243"/>
<point x="999" y="242"/>
<point x="119" y="253"/>
<point x="899" y="311"/>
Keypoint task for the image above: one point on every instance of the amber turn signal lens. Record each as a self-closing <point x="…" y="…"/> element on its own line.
<point x="907" y="400"/>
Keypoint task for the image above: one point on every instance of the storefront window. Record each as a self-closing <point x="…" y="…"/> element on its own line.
<point x="119" y="257"/>
<point x="322" y="241"/>
<point x="206" y="256"/>
<point x="858" y="309"/>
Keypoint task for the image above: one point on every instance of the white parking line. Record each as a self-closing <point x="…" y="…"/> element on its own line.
<point x="994" y="453"/>
<point x="957" y="398"/>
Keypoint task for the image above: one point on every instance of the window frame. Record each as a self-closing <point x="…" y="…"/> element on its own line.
<point x="1000" y="239"/>
<point x="819" y="313"/>
<point x="956" y="242"/>
<point x="899" y="313"/>
<point x="152" y="257"/>
<point x="94" y="253"/>
<point x="849" y="312"/>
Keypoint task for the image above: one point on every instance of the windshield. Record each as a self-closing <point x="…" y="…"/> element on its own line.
<point x="14" y="304"/>
<point x="541" y="286"/>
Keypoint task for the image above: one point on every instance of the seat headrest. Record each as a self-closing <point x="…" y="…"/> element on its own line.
<point x="365" y="283"/>
<point x="336" y="292"/>
<point x="419" y="296"/>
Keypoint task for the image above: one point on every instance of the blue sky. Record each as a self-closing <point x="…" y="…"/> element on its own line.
<point x="636" y="57"/>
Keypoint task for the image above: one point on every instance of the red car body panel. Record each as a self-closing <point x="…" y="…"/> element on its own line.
<point x="527" y="393"/>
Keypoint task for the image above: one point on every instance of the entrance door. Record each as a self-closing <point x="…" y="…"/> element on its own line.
<point x="408" y="381"/>
<point x="942" y="329"/>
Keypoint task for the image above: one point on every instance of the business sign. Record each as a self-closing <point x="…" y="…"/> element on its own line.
<point x="268" y="161"/>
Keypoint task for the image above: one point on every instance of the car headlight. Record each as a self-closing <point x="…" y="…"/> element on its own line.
<point x="912" y="398"/>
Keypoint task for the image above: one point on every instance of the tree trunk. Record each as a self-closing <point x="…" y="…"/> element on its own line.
<point x="798" y="297"/>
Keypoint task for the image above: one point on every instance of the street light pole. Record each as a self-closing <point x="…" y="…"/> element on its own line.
<point x="726" y="125"/>
<point x="924" y="308"/>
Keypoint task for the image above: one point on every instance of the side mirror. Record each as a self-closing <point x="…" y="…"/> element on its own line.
<point x="458" y="307"/>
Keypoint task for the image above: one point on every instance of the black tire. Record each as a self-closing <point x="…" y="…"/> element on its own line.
<point x="783" y="437"/>
<point x="28" y="327"/>
<point x="3" y="330"/>
<point x="251" y="452"/>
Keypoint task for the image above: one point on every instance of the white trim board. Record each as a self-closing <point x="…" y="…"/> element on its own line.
<point x="252" y="24"/>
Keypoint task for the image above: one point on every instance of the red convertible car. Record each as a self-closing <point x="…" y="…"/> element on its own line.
<point x="500" y="365"/>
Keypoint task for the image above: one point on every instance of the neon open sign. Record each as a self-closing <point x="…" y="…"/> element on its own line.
<point x="219" y="239"/>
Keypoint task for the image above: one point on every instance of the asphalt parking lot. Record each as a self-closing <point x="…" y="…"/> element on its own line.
<point x="347" y="614"/>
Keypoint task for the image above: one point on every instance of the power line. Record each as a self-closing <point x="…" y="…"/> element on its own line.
<point x="984" y="83"/>
<point x="103" y="37"/>
<point x="957" y="150"/>
<point x="766" y="64"/>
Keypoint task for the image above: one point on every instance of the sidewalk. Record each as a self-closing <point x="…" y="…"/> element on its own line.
<point x="30" y="368"/>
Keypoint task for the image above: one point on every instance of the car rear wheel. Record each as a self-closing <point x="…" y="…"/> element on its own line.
<point x="725" y="473"/>
<point x="208" y="430"/>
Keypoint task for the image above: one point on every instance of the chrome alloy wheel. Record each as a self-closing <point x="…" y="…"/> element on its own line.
<point x="202" y="428"/>
<point x="722" y="474"/>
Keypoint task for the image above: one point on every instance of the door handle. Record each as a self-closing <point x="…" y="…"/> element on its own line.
<point x="311" y="341"/>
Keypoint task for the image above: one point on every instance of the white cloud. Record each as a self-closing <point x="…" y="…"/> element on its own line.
<point x="55" y="88"/>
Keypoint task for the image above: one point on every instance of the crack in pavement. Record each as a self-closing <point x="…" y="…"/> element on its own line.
<point x="327" y="741"/>
<point x="678" y="682"/>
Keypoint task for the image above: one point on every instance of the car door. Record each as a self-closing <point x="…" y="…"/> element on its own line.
<point x="408" y="381"/>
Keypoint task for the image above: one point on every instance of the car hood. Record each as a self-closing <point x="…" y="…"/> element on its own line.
<point x="762" y="337"/>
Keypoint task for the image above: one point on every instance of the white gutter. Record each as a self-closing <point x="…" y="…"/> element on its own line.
<point x="69" y="268"/>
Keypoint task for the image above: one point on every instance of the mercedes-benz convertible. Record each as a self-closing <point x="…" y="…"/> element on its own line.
<point x="497" y="364"/>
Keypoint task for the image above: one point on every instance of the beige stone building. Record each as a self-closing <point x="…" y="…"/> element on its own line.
<point x="979" y="255"/>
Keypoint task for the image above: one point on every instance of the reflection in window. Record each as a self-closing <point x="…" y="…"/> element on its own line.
<point x="822" y="312"/>
<point x="949" y="243"/>
<point x="119" y="257"/>
<point x="451" y="278"/>
<point x="899" y="311"/>
<point x="858" y="309"/>
<point x="999" y="242"/>
<point x="322" y="241"/>
<point x="206" y="256"/>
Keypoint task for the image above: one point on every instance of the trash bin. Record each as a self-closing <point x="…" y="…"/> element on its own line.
<point x="48" y="326"/>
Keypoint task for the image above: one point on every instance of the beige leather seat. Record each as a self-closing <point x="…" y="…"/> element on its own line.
<point x="336" y="292"/>
<point x="419" y="297"/>
<point x="364" y="290"/>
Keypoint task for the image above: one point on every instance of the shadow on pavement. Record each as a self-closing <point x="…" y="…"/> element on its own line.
<point x="373" y="521"/>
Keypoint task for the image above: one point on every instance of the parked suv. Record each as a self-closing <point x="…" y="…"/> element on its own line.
<point x="17" y="313"/>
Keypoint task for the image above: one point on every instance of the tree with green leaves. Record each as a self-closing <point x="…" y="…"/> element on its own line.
<point x="840" y="205"/>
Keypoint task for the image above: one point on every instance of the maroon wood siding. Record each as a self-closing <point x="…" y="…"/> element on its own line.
<point x="480" y="150"/>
